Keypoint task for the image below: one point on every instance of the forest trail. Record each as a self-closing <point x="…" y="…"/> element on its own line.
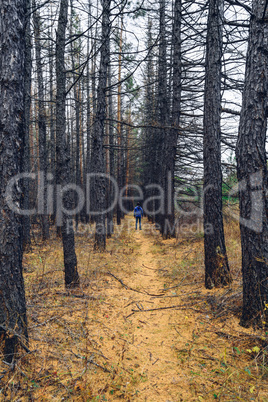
<point x="172" y="353"/>
<point x="99" y="342"/>
<point x="152" y="334"/>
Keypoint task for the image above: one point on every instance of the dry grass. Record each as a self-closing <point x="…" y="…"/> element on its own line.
<point x="221" y="356"/>
<point x="105" y="341"/>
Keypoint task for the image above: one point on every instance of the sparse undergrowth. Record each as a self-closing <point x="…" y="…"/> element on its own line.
<point x="140" y="327"/>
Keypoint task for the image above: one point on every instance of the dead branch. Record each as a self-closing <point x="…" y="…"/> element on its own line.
<point x="182" y="307"/>
<point x="130" y="288"/>
<point x="90" y="361"/>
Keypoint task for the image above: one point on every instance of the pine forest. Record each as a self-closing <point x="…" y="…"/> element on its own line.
<point x="133" y="200"/>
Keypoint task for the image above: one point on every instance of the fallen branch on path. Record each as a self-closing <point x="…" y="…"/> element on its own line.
<point x="141" y="273"/>
<point x="176" y="286"/>
<point x="180" y="306"/>
<point x="134" y="290"/>
<point x="153" y="269"/>
<point x="137" y="301"/>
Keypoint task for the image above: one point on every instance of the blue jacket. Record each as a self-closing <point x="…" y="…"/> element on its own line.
<point x="138" y="211"/>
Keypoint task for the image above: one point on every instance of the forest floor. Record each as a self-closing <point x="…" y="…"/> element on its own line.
<point x="141" y="327"/>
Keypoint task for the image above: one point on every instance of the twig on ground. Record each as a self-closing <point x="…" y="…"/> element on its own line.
<point x="130" y="288"/>
<point x="162" y="269"/>
<point x="177" y="331"/>
<point x="141" y="309"/>
<point x="137" y="301"/>
<point x="45" y="322"/>
<point x="141" y="273"/>
<point x="90" y="361"/>
<point x="81" y="296"/>
<point x="4" y="373"/>
<point x="182" y="307"/>
<point x="176" y="286"/>
<point x="153" y="269"/>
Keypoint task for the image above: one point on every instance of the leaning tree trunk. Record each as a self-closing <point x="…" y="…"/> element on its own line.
<point x="216" y="264"/>
<point x="252" y="172"/>
<point x="13" y="323"/>
<point x="63" y="154"/>
<point x="98" y="160"/>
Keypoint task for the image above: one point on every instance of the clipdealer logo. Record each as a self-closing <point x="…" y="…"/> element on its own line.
<point x="50" y="198"/>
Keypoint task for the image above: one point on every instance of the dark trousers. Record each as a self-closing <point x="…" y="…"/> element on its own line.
<point x="138" y="219"/>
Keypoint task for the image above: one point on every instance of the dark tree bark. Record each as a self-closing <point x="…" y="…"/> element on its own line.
<point x="75" y="49"/>
<point x="172" y="135"/>
<point x="111" y="167"/>
<point x="252" y="171"/>
<point x="78" y="142"/>
<point x="162" y="113"/>
<point x="93" y="115"/>
<point x="42" y="129"/>
<point x="52" y="168"/>
<point x="98" y="160"/>
<point x="88" y="118"/>
<point x="119" y="125"/>
<point x="63" y="153"/>
<point x="83" y="156"/>
<point x="13" y="322"/>
<point x="149" y="149"/>
<point x="216" y="264"/>
<point x="26" y="163"/>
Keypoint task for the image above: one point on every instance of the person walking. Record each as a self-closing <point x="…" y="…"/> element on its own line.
<point x="138" y="214"/>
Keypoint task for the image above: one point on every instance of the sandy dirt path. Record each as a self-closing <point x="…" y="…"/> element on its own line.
<point x="156" y="333"/>
<point x="150" y="336"/>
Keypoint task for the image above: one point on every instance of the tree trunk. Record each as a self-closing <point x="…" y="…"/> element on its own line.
<point x="88" y="119"/>
<point x="162" y="115"/>
<point x="149" y="149"/>
<point x="216" y="264"/>
<point x="94" y="109"/>
<point x="63" y="154"/>
<point x="75" y="49"/>
<point x="13" y="322"/>
<point x="110" y="191"/>
<point x="119" y="125"/>
<point x="42" y="131"/>
<point x="52" y="206"/>
<point x="172" y="134"/>
<point x="26" y="222"/>
<point x="252" y="172"/>
<point x="98" y="160"/>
